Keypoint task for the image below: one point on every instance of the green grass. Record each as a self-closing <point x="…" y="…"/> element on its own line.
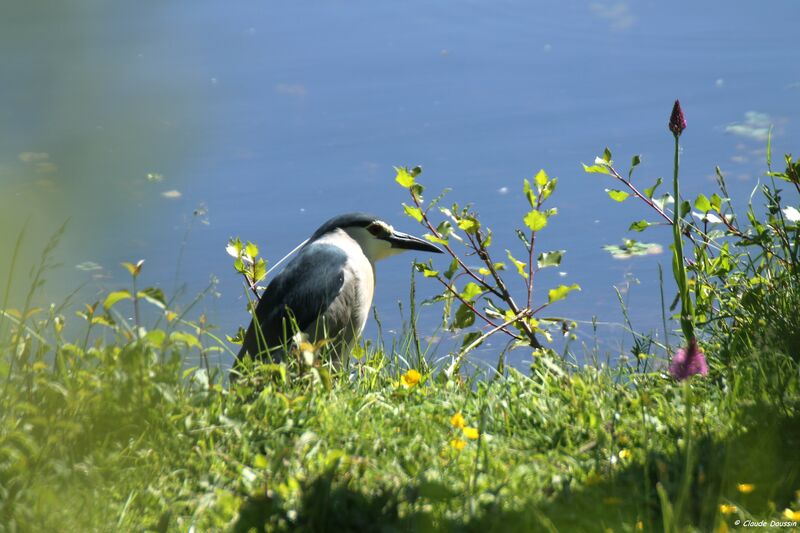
<point x="112" y="438"/>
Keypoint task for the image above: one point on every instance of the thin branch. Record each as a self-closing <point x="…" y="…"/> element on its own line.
<point x="455" y="256"/>
<point x="506" y="294"/>
<point x="457" y="362"/>
<point x="472" y="307"/>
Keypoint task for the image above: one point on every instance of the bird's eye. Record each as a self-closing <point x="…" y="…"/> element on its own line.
<point x="378" y="229"/>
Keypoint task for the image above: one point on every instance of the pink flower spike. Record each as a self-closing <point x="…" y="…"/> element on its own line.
<point x="677" y="122"/>
<point x="688" y="361"/>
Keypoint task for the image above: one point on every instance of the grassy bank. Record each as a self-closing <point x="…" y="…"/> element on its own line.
<point x="118" y="436"/>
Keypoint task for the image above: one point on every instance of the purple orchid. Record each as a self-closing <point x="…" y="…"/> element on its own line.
<point x="688" y="361"/>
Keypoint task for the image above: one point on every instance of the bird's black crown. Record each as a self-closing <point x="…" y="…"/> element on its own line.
<point x="346" y="220"/>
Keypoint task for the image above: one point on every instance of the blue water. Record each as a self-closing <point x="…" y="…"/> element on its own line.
<point x="271" y="117"/>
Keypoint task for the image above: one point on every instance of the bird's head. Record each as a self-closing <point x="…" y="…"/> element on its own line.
<point x="377" y="238"/>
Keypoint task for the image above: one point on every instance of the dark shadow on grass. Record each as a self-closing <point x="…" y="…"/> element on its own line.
<point x="326" y="506"/>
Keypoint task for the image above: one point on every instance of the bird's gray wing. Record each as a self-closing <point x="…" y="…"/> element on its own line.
<point x="305" y="288"/>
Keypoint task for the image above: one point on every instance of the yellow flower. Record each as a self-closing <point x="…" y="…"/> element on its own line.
<point x="458" y="444"/>
<point x="727" y="509"/>
<point x="306" y="347"/>
<point x="791" y="515"/>
<point x="471" y="433"/>
<point x="639" y="526"/>
<point x="410" y="378"/>
<point x="625" y="454"/>
<point x="457" y="421"/>
<point x="745" y="488"/>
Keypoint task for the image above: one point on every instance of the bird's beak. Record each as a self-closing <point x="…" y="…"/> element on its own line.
<point x="404" y="241"/>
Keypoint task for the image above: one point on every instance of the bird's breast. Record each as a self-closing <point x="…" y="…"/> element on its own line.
<point x="358" y="287"/>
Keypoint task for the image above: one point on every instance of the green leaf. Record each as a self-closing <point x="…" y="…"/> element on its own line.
<point x="251" y="250"/>
<point x="492" y="310"/>
<point x="469" y="338"/>
<point x="519" y="264"/>
<point x="105" y="320"/>
<point x="404" y="177"/>
<point x="134" y="269"/>
<point x="617" y="196"/>
<point x="560" y="292"/>
<point x="238" y="338"/>
<point x="702" y="204"/>
<point x="471" y="290"/>
<point x="487" y="241"/>
<point x="548" y="259"/>
<point x="607" y="155"/>
<point x="452" y="269"/>
<point x="260" y="461"/>
<point x="523" y="238"/>
<point x="155" y="337"/>
<point x="154" y="295"/>
<point x="183" y="337"/>
<point x="650" y="191"/>
<point x="464" y="318"/>
<point x="595" y="169"/>
<point x="529" y="194"/>
<point x="469" y="224"/>
<point x="437" y="240"/>
<point x="769" y="147"/>
<point x="115" y="297"/>
<point x="640" y="225"/>
<point x="686" y="207"/>
<point x="445" y="229"/>
<point x="665" y="199"/>
<point x="535" y="220"/>
<point x="259" y="270"/>
<point x="413" y="212"/>
<point x="541" y="178"/>
<point x="548" y="189"/>
<point x="716" y="202"/>
<point x="238" y="264"/>
<point x="426" y="270"/>
<point x="634" y="163"/>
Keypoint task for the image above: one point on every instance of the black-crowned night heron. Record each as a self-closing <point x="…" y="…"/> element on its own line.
<point x="327" y="288"/>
